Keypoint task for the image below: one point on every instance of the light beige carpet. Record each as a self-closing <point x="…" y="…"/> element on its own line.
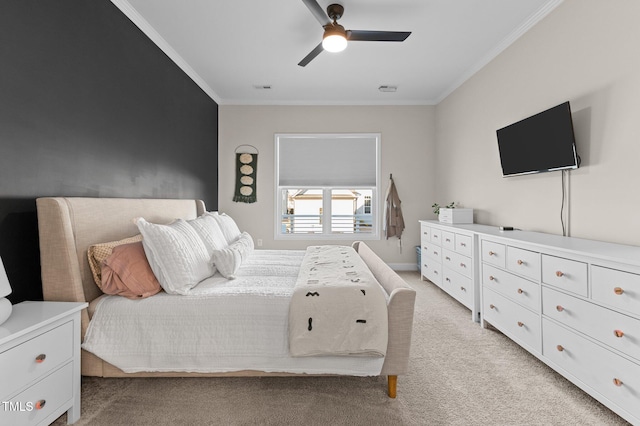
<point x="460" y="374"/>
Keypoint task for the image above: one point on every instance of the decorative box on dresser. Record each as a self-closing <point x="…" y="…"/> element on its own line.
<point x="40" y="363"/>
<point x="448" y="259"/>
<point x="574" y="304"/>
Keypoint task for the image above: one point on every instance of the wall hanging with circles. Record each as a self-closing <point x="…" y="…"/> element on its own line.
<point x="246" y="174"/>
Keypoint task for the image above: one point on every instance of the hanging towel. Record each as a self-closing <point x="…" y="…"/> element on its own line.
<point x="393" y="220"/>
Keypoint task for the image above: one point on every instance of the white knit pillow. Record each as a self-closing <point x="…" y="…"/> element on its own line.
<point x="177" y="255"/>
<point x="228" y="260"/>
<point x="227" y="225"/>
<point x="209" y="231"/>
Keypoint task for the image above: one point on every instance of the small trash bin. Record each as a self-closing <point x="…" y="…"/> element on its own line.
<point x="419" y="253"/>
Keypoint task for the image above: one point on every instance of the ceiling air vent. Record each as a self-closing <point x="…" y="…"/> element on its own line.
<point x="262" y="86"/>
<point x="388" y="88"/>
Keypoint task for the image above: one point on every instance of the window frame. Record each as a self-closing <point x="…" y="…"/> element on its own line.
<point x="376" y="202"/>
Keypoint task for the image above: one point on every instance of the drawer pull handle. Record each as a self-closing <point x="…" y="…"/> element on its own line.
<point x="559" y="308"/>
<point x="618" y="290"/>
<point x="492" y="306"/>
<point x="491" y="253"/>
<point x="40" y="404"/>
<point x="447" y="240"/>
<point x="463" y="289"/>
<point x="492" y="278"/>
<point x="447" y="279"/>
<point x="618" y="333"/>
<point x="520" y="324"/>
<point x="435" y="252"/>
<point x="560" y="348"/>
<point x="462" y="265"/>
<point x="520" y="262"/>
<point x="435" y="272"/>
<point x="559" y="274"/>
<point x="617" y="382"/>
<point x="520" y="291"/>
<point x="40" y="358"/>
<point x="447" y="258"/>
<point x="463" y="244"/>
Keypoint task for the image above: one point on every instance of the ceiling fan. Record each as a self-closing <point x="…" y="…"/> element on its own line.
<point x="335" y="36"/>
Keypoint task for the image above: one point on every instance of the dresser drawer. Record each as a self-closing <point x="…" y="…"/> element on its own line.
<point x="432" y="271"/>
<point x="55" y="390"/>
<point x="464" y="244"/>
<point x="458" y="263"/>
<point x="494" y="253"/>
<point x="618" y="289"/>
<point x="20" y="365"/>
<point x="516" y="322"/>
<point x="609" y="374"/>
<point x="569" y="275"/>
<point x="524" y="262"/>
<point x="458" y="286"/>
<point x="609" y="327"/>
<point x="432" y="251"/>
<point x="425" y="233"/>
<point x="448" y="240"/>
<point x="436" y="236"/>
<point x="520" y="290"/>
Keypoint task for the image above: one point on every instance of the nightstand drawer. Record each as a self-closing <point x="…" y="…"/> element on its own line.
<point x="524" y="262"/>
<point x="565" y="274"/>
<point x="35" y="358"/>
<point x="49" y="394"/>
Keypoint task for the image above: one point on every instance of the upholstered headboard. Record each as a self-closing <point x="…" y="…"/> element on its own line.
<point x="68" y="226"/>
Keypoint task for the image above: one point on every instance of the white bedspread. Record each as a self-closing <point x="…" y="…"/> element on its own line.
<point x="337" y="307"/>
<point x="223" y="326"/>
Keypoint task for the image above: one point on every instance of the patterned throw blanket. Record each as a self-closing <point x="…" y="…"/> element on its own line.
<point x="338" y="307"/>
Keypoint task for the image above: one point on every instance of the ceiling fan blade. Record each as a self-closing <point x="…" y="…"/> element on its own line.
<point x="315" y="52"/>
<point x="318" y="12"/>
<point x="360" y="35"/>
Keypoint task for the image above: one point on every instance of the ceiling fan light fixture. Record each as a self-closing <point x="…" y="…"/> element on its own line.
<point x="334" y="39"/>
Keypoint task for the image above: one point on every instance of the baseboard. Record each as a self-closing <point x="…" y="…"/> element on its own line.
<point x="403" y="266"/>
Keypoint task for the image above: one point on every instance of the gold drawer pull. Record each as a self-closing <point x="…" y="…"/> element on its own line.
<point x="559" y="308"/>
<point x="40" y="358"/>
<point x="491" y="253"/>
<point x="520" y="262"/>
<point x="40" y="404"/>
<point x="520" y="324"/>
<point x="559" y="274"/>
<point x="618" y="333"/>
<point x="560" y="348"/>
<point x="520" y="291"/>
<point x="492" y="278"/>
<point x="492" y="306"/>
<point x="617" y="382"/>
<point x="618" y="290"/>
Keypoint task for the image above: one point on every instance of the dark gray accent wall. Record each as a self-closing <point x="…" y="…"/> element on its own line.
<point x="89" y="106"/>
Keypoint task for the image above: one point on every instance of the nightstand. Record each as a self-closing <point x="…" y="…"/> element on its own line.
<point x="40" y="363"/>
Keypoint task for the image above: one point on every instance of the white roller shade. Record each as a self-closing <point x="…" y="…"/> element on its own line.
<point x="329" y="160"/>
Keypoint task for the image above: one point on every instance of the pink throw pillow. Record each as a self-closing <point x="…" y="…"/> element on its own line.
<point x="126" y="272"/>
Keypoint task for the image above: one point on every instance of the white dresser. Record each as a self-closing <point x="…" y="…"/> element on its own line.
<point x="40" y="363"/>
<point x="448" y="259"/>
<point x="573" y="303"/>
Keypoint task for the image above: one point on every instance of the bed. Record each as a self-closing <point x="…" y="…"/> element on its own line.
<point x="69" y="226"/>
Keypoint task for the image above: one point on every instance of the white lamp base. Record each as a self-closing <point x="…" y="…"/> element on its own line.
<point x="5" y="309"/>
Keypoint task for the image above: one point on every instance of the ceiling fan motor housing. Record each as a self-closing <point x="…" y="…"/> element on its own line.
<point x="335" y="11"/>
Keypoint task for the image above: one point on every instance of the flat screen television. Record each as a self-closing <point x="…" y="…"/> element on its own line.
<point x="541" y="143"/>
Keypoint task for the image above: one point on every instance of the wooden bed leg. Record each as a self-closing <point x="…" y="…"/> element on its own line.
<point x="393" y="385"/>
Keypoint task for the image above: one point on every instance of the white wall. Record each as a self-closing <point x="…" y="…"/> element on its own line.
<point x="407" y="151"/>
<point x="585" y="51"/>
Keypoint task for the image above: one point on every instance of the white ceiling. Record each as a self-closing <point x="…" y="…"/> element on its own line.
<point x="228" y="47"/>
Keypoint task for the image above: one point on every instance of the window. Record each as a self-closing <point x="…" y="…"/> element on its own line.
<point x="327" y="186"/>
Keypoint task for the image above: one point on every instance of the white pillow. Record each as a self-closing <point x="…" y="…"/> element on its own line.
<point x="177" y="255"/>
<point x="210" y="233"/>
<point x="227" y="225"/>
<point x="228" y="260"/>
